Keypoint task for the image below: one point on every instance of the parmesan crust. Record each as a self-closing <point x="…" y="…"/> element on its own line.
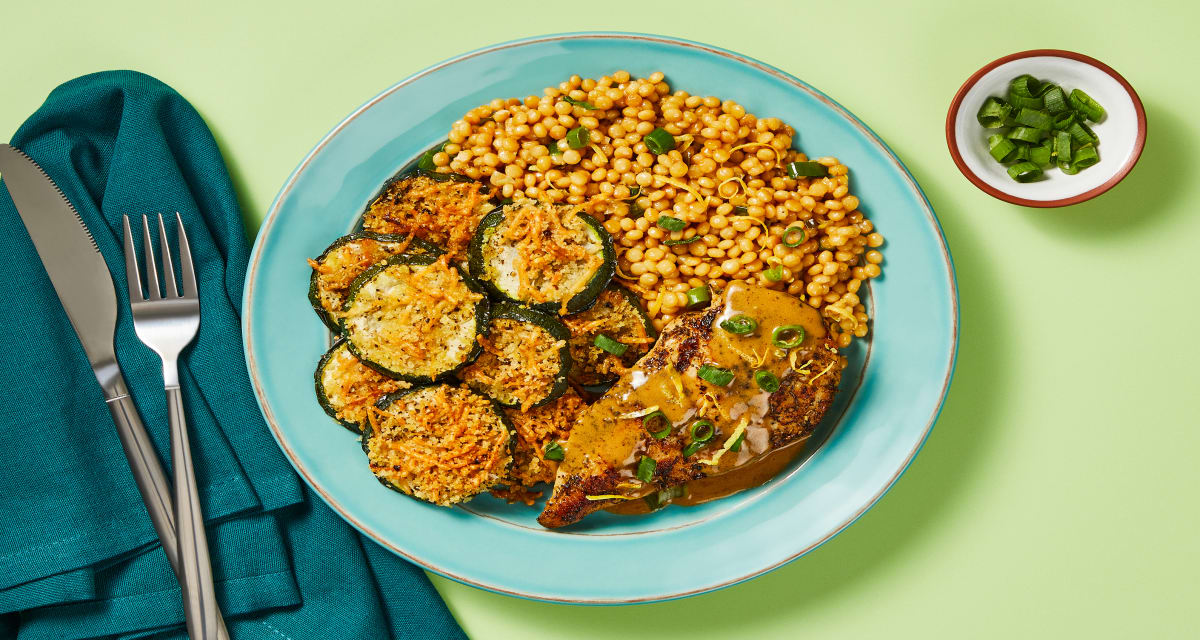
<point x="519" y="363"/>
<point x="441" y="444"/>
<point x="342" y="264"/>
<point x="614" y="316"/>
<point x="444" y="212"/>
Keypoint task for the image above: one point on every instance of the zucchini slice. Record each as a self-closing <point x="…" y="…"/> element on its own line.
<point x="414" y="318"/>
<point x="444" y="211"/>
<point x="550" y="257"/>
<point x="348" y="256"/>
<point x="617" y="315"/>
<point x="525" y="358"/>
<point x="346" y="388"/>
<point x="443" y="444"/>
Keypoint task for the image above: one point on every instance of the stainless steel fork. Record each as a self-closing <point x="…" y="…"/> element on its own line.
<point x="168" y="323"/>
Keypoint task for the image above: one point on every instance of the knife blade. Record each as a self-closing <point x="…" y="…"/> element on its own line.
<point x="85" y="288"/>
<point x="69" y="252"/>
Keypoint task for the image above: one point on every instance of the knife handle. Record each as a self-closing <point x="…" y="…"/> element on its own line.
<point x="148" y="474"/>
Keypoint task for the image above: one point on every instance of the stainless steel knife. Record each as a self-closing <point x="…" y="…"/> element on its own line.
<point x="85" y="287"/>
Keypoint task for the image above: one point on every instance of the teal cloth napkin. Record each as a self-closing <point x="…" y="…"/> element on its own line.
<point x="78" y="556"/>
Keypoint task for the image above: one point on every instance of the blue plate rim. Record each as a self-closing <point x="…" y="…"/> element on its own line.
<point x="869" y="135"/>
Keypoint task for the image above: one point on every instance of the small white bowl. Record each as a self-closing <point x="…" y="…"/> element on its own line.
<point x="1122" y="133"/>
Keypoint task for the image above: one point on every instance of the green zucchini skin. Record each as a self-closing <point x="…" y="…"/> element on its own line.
<point x="556" y="329"/>
<point x="386" y="401"/>
<point x="322" y="398"/>
<point x="580" y="301"/>
<point x="314" y="288"/>
<point x="482" y="317"/>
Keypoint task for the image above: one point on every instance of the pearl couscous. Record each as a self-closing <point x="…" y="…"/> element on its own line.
<point x="725" y="183"/>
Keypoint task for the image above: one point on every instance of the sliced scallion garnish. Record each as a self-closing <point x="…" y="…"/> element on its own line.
<point x="766" y="381"/>
<point x="657" y="424"/>
<point x="739" y="324"/>
<point x="993" y="113"/>
<point x="554" y="451"/>
<point x="579" y="137"/>
<point x="698" y="297"/>
<point x="671" y="243"/>
<point x="794" y="236"/>
<point x="671" y="223"/>
<point x="788" y="336"/>
<point x="703" y="430"/>
<point x="807" y="170"/>
<point x="737" y="444"/>
<point x="1001" y="148"/>
<point x="659" y="141"/>
<point x="716" y="375"/>
<point x="645" y="469"/>
<point x="774" y="274"/>
<point x="608" y="344"/>
<point x="1083" y="103"/>
<point x="579" y="103"/>
<point x="1025" y="172"/>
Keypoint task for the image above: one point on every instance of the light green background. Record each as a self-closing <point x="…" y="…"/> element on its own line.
<point x="1057" y="496"/>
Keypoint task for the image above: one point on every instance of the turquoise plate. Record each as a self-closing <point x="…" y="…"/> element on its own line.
<point x="891" y="393"/>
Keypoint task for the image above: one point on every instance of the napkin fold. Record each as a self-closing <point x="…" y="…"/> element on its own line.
<point x="78" y="555"/>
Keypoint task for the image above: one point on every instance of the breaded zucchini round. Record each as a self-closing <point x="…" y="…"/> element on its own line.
<point x="553" y="258"/>
<point x="345" y="259"/>
<point x="444" y="212"/>
<point x="346" y="388"/>
<point x="525" y="358"/>
<point x="414" y="318"/>
<point x="542" y="434"/>
<point x="442" y="444"/>
<point x="618" y="316"/>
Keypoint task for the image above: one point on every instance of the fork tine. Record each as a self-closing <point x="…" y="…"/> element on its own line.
<point x="185" y="259"/>
<point x="131" y="263"/>
<point x="151" y="268"/>
<point x="164" y="247"/>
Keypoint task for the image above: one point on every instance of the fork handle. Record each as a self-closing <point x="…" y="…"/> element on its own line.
<point x="196" y="578"/>
<point x="147" y="473"/>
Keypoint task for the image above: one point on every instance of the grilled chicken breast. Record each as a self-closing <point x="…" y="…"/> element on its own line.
<point x="648" y="433"/>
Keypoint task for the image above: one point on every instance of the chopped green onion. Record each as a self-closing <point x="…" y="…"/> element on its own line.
<point x="1082" y="133"/>
<point x="1040" y="155"/>
<point x="807" y="170"/>
<point x="653" y="420"/>
<point x="1026" y="134"/>
<point x="671" y="243"/>
<point x="579" y="137"/>
<point x="608" y="344"/>
<point x="554" y="451"/>
<point x="1085" y="157"/>
<point x="692" y="448"/>
<point x="579" y="103"/>
<point x="659" y="499"/>
<point x="794" y="236"/>
<point x="698" y="297"/>
<point x="1056" y="101"/>
<point x="1035" y="119"/>
<point x="1023" y="91"/>
<point x="788" y="336"/>
<point x="1084" y="104"/>
<point x="766" y="381"/>
<point x="737" y="444"/>
<point x="1063" y="120"/>
<point x="1025" y="172"/>
<point x="740" y="325"/>
<point x="774" y="274"/>
<point x="716" y="375"/>
<point x="671" y="223"/>
<point x="1022" y="152"/>
<point x="635" y="191"/>
<point x="1062" y="146"/>
<point x="1001" y="148"/>
<point x="993" y="113"/>
<point x="555" y="150"/>
<point x="646" y="467"/>
<point x="659" y="141"/>
<point x="703" y="430"/>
